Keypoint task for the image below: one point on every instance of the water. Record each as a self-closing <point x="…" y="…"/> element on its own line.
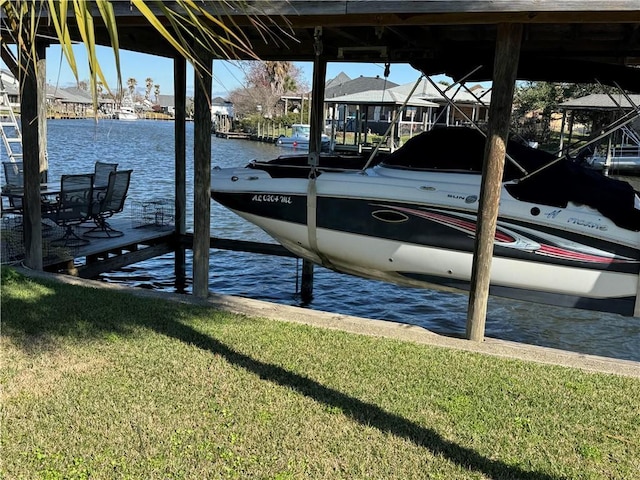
<point x="147" y="147"/>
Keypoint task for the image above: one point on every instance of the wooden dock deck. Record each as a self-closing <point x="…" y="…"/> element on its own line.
<point x="236" y="135"/>
<point x="101" y="254"/>
<point x="139" y="243"/>
<point x="247" y="136"/>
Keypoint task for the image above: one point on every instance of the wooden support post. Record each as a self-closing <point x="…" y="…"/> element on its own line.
<point x="636" y="308"/>
<point x="562" y="127"/>
<point x="357" y="129"/>
<point x="32" y="218"/>
<point x="180" y="92"/>
<point x="41" y="73"/>
<point x="504" y="78"/>
<point x="202" y="176"/>
<point x="306" y="289"/>
<point x="317" y="103"/>
<point x="316" y="126"/>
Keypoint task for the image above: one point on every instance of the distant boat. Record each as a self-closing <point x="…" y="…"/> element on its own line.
<point x="126" y="113"/>
<point x="299" y="138"/>
<point x="623" y="158"/>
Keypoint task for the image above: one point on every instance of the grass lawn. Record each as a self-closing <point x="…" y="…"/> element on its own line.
<point x="100" y="384"/>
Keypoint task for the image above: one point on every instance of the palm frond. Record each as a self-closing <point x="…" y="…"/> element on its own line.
<point x="189" y="26"/>
<point x="58" y="14"/>
<point x="109" y="19"/>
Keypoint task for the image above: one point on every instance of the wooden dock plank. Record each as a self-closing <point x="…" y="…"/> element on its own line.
<point x="140" y="243"/>
<point x="235" y="135"/>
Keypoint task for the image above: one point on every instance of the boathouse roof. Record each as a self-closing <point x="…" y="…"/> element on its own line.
<point x="358" y="85"/>
<point x="337" y="80"/>
<point x="9" y="83"/>
<point x="427" y="91"/>
<point x="571" y="41"/>
<point x="74" y="95"/>
<point x="380" y="97"/>
<point x="601" y="101"/>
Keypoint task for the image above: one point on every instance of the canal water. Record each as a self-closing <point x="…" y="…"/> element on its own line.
<point x="147" y="147"/>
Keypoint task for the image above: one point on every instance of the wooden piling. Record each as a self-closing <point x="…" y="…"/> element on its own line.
<point x="202" y="176"/>
<point x="316" y="125"/>
<point x="43" y="161"/>
<point x="32" y="218"/>
<point x="306" y="288"/>
<point x="504" y="77"/>
<point x="180" y="92"/>
<point x="636" y="308"/>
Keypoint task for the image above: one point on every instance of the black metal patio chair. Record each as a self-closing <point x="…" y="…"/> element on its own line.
<point x="109" y="202"/>
<point x="13" y="173"/>
<point x="101" y="173"/>
<point x="73" y="207"/>
<point x="14" y="183"/>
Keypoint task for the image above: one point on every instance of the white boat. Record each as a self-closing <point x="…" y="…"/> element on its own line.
<point x="299" y="138"/>
<point x="566" y="235"/>
<point x="620" y="164"/>
<point x="126" y="113"/>
<point x="623" y="158"/>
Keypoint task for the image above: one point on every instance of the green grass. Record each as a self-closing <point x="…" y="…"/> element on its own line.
<point x="100" y="384"/>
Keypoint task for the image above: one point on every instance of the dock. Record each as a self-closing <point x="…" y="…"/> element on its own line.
<point x="100" y="255"/>
<point x="138" y="243"/>
<point x="234" y="135"/>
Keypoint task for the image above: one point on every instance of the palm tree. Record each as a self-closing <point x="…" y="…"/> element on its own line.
<point x="156" y="91"/>
<point x="132" y="83"/>
<point x="148" y="85"/>
<point x="277" y="73"/>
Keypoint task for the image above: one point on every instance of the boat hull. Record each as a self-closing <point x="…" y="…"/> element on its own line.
<point x="619" y="164"/>
<point x="128" y="117"/>
<point x="543" y="254"/>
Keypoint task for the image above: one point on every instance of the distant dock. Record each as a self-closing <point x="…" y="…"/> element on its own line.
<point x="236" y="135"/>
<point x="247" y="136"/>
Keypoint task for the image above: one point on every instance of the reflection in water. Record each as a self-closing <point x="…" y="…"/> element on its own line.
<point x="147" y="147"/>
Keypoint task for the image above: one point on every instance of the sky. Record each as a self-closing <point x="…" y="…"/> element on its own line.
<point x="227" y="75"/>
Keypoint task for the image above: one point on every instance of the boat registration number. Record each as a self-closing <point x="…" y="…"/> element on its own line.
<point x="271" y="198"/>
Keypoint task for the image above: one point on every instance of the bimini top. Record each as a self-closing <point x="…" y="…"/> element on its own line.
<point x="461" y="149"/>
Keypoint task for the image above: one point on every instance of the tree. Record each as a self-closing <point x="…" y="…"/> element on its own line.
<point x="149" y="86"/>
<point x="265" y="84"/>
<point x="132" y="83"/>
<point x="156" y="91"/>
<point x="536" y="102"/>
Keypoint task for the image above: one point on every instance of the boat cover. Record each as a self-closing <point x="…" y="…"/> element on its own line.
<point x="461" y="149"/>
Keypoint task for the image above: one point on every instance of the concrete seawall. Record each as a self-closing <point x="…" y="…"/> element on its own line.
<point x="370" y="327"/>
